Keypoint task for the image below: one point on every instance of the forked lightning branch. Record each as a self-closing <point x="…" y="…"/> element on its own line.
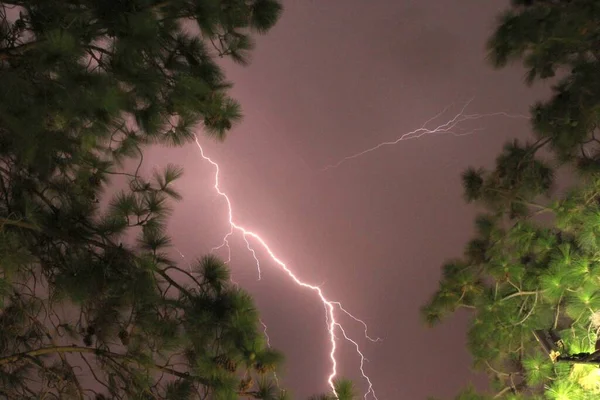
<point x="334" y="309"/>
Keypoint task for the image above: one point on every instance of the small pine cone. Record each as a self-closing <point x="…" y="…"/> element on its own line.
<point x="230" y="366"/>
<point x="226" y="363"/>
<point x="220" y="360"/>
<point x="260" y="368"/>
<point x="246" y="384"/>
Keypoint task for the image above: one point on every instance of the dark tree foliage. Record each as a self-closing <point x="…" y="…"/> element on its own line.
<point x="85" y="312"/>
<point x="557" y="38"/>
<point x="534" y="263"/>
<point x="344" y="390"/>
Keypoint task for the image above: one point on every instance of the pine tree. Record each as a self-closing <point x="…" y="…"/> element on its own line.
<point x="85" y="311"/>
<point x="533" y="266"/>
<point x="344" y="390"/>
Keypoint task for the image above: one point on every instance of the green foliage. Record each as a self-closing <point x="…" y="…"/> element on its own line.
<point x="553" y="36"/>
<point x="344" y="390"/>
<point x="85" y="311"/>
<point x="534" y="264"/>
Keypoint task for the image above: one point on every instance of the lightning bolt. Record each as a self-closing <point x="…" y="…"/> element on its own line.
<point x="446" y="127"/>
<point x="269" y="346"/>
<point x="329" y="305"/>
<point x="362" y="362"/>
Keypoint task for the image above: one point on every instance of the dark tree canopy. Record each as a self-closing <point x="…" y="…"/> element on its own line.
<point x="557" y="38"/>
<point x="533" y="265"/>
<point x="91" y="305"/>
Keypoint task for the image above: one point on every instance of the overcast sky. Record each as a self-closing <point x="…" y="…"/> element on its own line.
<point x="333" y="78"/>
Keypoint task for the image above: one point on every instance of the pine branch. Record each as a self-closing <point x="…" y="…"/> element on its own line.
<point x="494" y="370"/>
<point x="557" y="312"/>
<point x="7" y="53"/>
<point x="184" y="272"/>
<point x="174" y="283"/>
<point x="13" y="3"/>
<point x="510" y="197"/>
<point x="61" y="355"/>
<point x="94" y="373"/>
<point x="501" y="393"/>
<point x="97" y="352"/>
<point x="522" y="293"/>
<point x="19" y="223"/>
<point x="530" y="311"/>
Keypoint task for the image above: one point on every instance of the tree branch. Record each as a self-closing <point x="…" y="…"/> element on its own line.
<point x="536" y="292"/>
<point x="500" y="393"/>
<point x="19" y="223"/>
<point x="530" y="311"/>
<point x="98" y="352"/>
<point x="7" y="53"/>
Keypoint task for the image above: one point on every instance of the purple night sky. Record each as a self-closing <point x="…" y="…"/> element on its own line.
<point x="333" y="78"/>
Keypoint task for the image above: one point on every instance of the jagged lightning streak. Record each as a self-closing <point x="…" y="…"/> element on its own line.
<point x="362" y="362"/>
<point x="337" y="303"/>
<point x="269" y="346"/>
<point x="330" y="306"/>
<point x="250" y="249"/>
<point x="446" y="127"/>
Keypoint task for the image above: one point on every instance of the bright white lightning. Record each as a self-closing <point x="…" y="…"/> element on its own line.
<point x="269" y="346"/>
<point x="330" y="306"/>
<point x="266" y="334"/>
<point x="337" y="303"/>
<point x="362" y="362"/>
<point x="446" y="127"/>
